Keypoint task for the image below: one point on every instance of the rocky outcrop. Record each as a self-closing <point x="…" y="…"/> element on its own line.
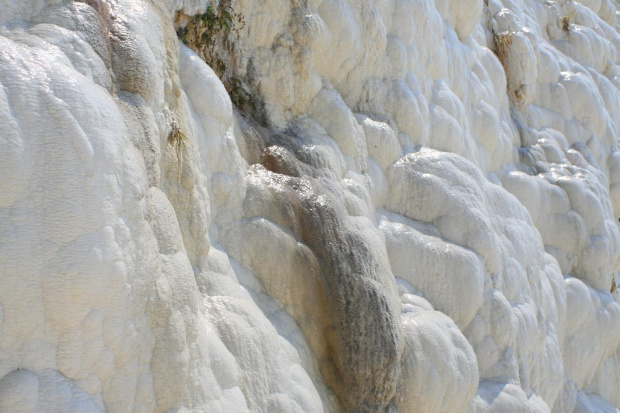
<point x="370" y="206"/>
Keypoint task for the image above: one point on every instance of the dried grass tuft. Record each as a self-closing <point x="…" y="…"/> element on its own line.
<point x="178" y="140"/>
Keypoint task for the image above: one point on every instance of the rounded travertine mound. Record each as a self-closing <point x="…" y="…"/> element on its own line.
<point x="435" y="345"/>
<point x="482" y="217"/>
<point x="450" y="276"/>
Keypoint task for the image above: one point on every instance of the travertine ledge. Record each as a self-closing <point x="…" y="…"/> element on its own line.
<point x="362" y="206"/>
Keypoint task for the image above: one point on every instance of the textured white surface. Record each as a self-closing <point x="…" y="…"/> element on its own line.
<point x="427" y="228"/>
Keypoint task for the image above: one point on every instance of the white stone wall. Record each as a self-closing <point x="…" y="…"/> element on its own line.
<point x="416" y="227"/>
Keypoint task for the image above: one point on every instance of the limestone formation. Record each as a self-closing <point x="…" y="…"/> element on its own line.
<point x="378" y="206"/>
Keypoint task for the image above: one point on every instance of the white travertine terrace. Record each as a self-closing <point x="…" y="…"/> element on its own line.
<point x="416" y="225"/>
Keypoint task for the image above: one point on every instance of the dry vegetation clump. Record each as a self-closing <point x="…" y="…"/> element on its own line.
<point x="568" y="19"/>
<point x="502" y="43"/>
<point x="178" y="140"/>
<point x="214" y="35"/>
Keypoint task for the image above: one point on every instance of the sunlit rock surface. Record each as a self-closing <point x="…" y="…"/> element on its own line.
<point x="419" y="213"/>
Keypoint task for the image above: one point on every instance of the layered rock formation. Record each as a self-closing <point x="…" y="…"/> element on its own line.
<point x="411" y="206"/>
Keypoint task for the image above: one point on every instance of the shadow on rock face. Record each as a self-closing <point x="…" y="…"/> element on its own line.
<point x="45" y="391"/>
